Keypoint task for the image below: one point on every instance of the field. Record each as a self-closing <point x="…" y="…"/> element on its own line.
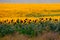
<point x="29" y="21"/>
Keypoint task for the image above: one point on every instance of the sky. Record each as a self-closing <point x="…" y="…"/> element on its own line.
<point x="29" y="1"/>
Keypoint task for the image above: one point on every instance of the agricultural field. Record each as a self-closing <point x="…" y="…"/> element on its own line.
<point x="32" y="22"/>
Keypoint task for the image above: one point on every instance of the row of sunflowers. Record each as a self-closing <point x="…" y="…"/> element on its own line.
<point x="29" y="27"/>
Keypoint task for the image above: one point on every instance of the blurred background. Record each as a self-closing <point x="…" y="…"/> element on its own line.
<point x="29" y="1"/>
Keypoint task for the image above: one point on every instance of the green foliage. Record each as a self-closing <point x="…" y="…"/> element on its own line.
<point x="5" y="29"/>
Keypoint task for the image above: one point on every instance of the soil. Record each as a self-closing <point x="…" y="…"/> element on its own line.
<point x="44" y="36"/>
